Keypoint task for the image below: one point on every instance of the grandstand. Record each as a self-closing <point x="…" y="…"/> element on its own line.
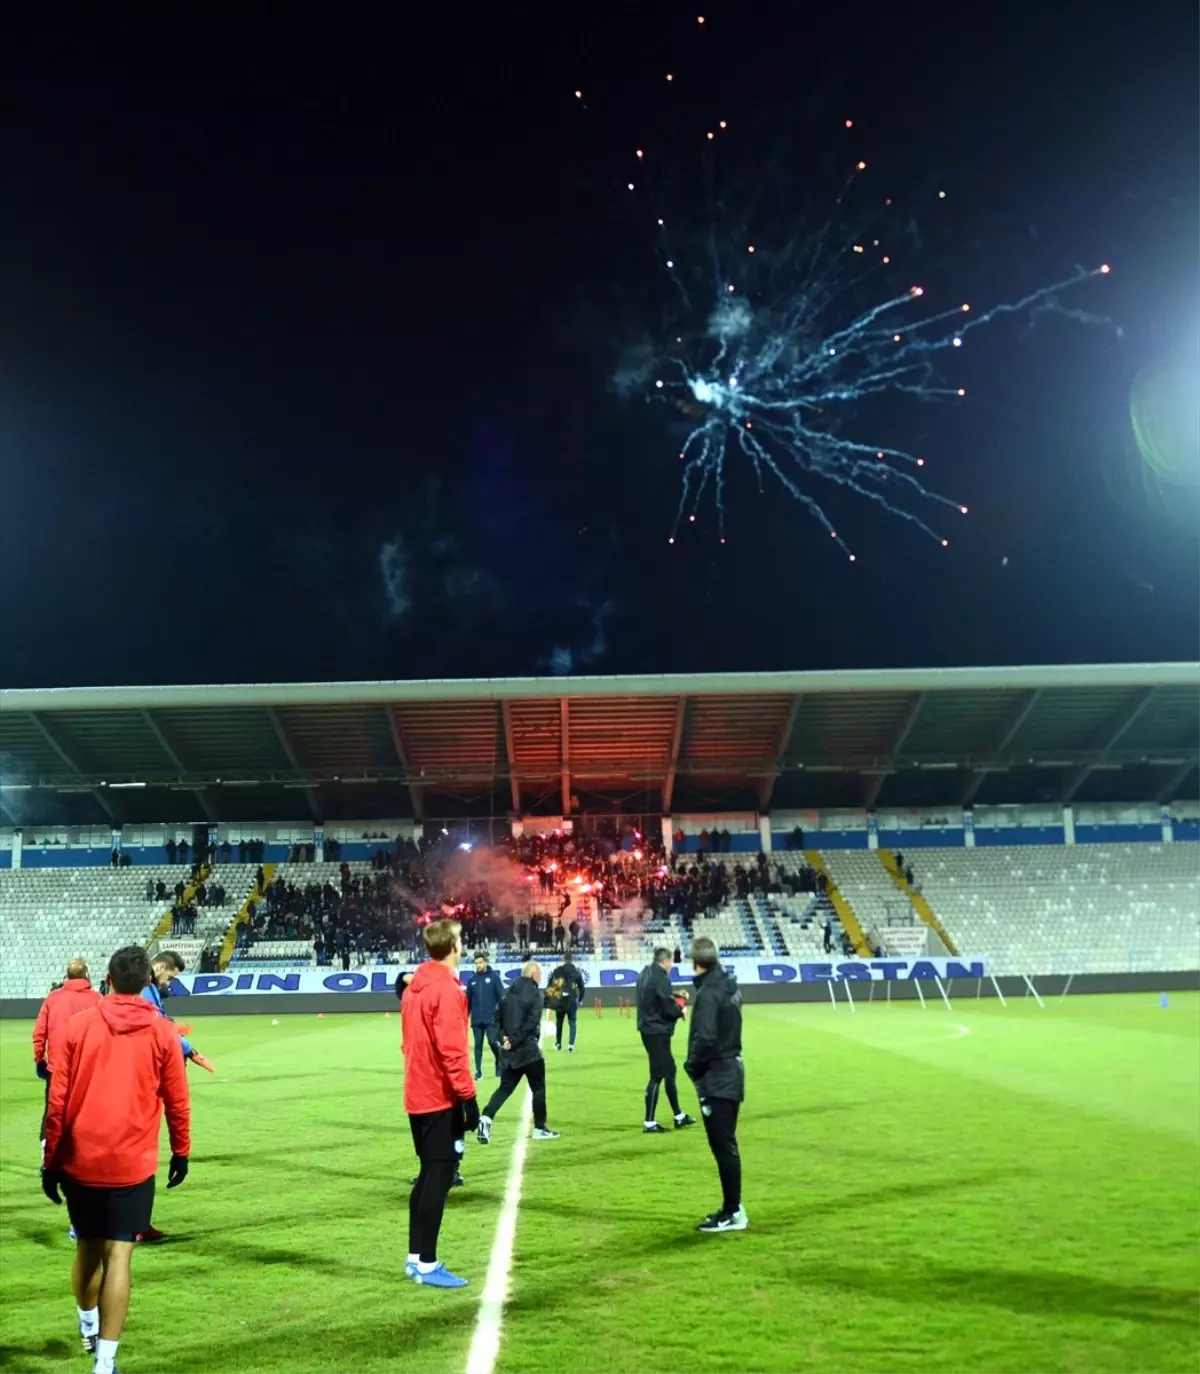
<point x="1049" y="815"/>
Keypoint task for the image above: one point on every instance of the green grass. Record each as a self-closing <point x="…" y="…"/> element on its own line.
<point x="979" y="1190"/>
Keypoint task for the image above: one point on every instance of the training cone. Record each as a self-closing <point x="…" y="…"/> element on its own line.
<point x="275" y="1021"/>
<point x="320" y="1016"/>
<point x="387" y="1015"/>
<point x="1162" y="1000"/>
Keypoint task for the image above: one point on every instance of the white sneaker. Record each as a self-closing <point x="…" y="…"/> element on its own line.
<point x="544" y="1133"/>
<point x="483" y="1132"/>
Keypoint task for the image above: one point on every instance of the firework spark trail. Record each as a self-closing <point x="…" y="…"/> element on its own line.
<point x="765" y="390"/>
<point x="765" y="355"/>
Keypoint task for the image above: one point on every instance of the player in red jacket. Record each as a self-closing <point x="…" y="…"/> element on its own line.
<point x="438" y="1086"/>
<point x="116" y="1069"/>
<point x="50" y="1028"/>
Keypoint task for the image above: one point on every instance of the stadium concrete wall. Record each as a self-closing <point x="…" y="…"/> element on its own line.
<point x="959" y="990"/>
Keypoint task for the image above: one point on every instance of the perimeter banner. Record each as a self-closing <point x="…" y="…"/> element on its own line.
<point x="610" y="974"/>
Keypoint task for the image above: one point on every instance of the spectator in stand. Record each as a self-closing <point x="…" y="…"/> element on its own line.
<point x="183" y="851"/>
<point x="73" y="995"/>
<point x="149" y="889"/>
<point x="171" y="849"/>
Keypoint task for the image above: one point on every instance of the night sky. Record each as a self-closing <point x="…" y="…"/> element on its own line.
<point x="308" y="329"/>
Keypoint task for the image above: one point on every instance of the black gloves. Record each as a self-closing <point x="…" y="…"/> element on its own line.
<point x="178" y="1170"/>
<point x="42" y="1069"/>
<point x="51" y="1182"/>
<point x="471" y="1113"/>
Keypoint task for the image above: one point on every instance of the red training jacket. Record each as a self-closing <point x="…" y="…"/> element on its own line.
<point x="119" y="1065"/>
<point x="433" y="1014"/>
<point x="49" y="1030"/>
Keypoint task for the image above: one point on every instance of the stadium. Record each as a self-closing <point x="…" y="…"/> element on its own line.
<point x="963" y="907"/>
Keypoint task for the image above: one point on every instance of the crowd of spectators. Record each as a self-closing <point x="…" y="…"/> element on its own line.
<point x="203" y="893"/>
<point x="558" y="890"/>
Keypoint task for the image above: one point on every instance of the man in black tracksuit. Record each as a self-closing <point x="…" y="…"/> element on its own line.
<point x="519" y="1023"/>
<point x="564" y="993"/>
<point x="714" y="1064"/>
<point x="484" y="991"/>
<point x="459" y="1122"/>
<point x="657" y="1012"/>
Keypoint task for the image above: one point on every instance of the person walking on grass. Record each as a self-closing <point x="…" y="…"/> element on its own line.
<point x="74" y="995"/>
<point x="439" y="1092"/>
<point x="564" y="994"/>
<point x="714" y="1064"/>
<point x="659" y="1009"/>
<point x="519" y="1022"/>
<point x="119" y="1067"/>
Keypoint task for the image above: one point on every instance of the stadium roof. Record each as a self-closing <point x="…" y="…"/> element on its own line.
<point x="754" y="741"/>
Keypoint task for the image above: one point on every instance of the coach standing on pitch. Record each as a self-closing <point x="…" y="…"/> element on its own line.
<point x="714" y="1064"/>
<point x="520" y="1023"/>
<point x="437" y="1085"/>
<point x="657" y="1012"/>
<point x="484" y="992"/>
<point x="118" y="1067"/>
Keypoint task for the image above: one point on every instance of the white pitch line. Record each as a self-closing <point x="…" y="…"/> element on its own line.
<point x="485" y="1344"/>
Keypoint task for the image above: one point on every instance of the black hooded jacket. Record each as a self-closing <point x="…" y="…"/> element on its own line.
<point x="519" y="1017"/>
<point x="657" y="1009"/>
<point x="564" y="990"/>
<point x="714" y="1053"/>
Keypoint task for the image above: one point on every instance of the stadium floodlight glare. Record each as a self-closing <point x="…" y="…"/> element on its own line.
<point x="123" y="786"/>
<point x="16" y="787"/>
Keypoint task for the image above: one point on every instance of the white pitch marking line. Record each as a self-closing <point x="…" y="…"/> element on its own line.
<point x="485" y="1343"/>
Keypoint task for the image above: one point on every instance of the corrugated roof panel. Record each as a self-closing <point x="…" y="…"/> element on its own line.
<point x="25" y="751"/>
<point x="854" y="725"/>
<point x="1068" y="720"/>
<point x="339" y="739"/>
<point x="111" y="742"/>
<point x="454" y="736"/>
<point x="960" y="724"/>
<point x="237" y="739"/>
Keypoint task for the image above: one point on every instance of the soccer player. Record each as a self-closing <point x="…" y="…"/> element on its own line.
<point x="564" y="993"/>
<point x="460" y="1131"/>
<point x="520" y="1023"/>
<point x="437" y="1079"/>
<point x="714" y="1064"/>
<point x="658" y="1009"/>
<point x="117" y="1068"/>
<point x="73" y="995"/>
<point x="165" y="967"/>
<point x="484" y="991"/>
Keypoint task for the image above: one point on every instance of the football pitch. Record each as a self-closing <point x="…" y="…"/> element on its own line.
<point x="982" y="1189"/>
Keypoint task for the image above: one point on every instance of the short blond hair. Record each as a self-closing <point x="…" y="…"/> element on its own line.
<point x="441" y="937"/>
